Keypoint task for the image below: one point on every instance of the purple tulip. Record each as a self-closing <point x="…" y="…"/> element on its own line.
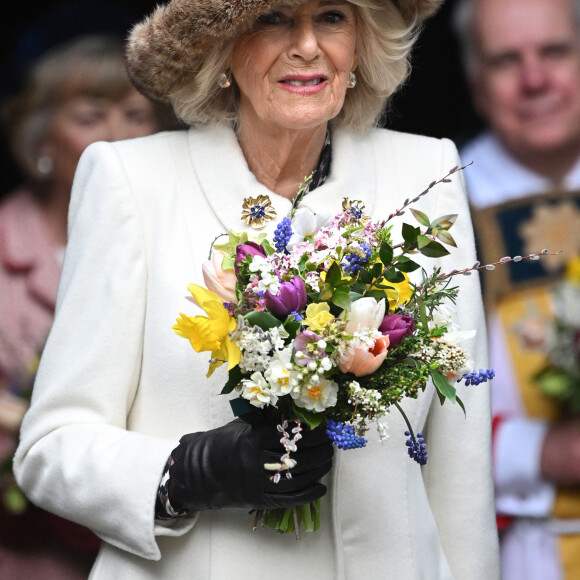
<point x="301" y="345"/>
<point x="396" y="327"/>
<point x="247" y="249"/>
<point x="290" y="298"/>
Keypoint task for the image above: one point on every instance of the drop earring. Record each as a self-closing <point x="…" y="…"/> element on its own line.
<point x="351" y="81"/>
<point x="224" y="80"/>
<point x="45" y="164"/>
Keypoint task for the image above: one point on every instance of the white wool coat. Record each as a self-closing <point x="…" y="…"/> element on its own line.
<point x="117" y="388"/>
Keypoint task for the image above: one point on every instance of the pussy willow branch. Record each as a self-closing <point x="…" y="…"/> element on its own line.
<point x="409" y="201"/>
<point x="492" y="265"/>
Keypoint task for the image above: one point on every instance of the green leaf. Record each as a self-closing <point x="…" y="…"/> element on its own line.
<point x="377" y="270"/>
<point x="342" y="298"/>
<point x="434" y="250"/>
<point x="292" y="326"/>
<point x="241" y="407"/>
<point x="334" y="274"/>
<point x="423" y="241"/>
<point x="394" y="276"/>
<point x="405" y="264"/>
<point x="268" y="247"/>
<point x="326" y="293"/>
<point x="312" y="419"/>
<point x="302" y="262"/>
<point x="355" y="295"/>
<point x="422" y="313"/>
<point x="410" y="234"/>
<point x="386" y="254"/>
<point x="376" y="294"/>
<point x="460" y="403"/>
<point x="421" y="217"/>
<point x="444" y="222"/>
<point x="234" y="379"/>
<point x="365" y="276"/>
<point x="443" y="387"/>
<point x="446" y="238"/>
<point x="262" y="319"/>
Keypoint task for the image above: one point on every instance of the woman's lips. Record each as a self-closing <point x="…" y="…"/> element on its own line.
<point x="305" y="85"/>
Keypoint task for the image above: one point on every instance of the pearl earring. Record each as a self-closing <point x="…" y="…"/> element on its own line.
<point x="45" y="164"/>
<point x="224" y="81"/>
<point x="351" y="81"/>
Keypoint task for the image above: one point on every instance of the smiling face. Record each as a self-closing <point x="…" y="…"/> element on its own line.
<point x="84" y="119"/>
<point x="528" y="81"/>
<point x="293" y="67"/>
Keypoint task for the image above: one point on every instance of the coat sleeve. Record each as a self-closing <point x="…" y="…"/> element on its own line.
<point x="458" y="474"/>
<point x="76" y="457"/>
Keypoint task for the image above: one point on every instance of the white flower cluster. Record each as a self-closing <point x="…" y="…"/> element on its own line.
<point x="367" y="405"/>
<point x="278" y="380"/>
<point x="306" y="385"/>
<point x="451" y="358"/>
<point x="256" y="346"/>
<point x="263" y="277"/>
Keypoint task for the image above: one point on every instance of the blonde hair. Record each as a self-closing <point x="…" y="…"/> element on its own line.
<point x="384" y="42"/>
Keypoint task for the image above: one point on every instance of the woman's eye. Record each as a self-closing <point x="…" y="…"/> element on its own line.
<point x="87" y="119"/>
<point x="333" y="16"/>
<point x="271" y="18"/>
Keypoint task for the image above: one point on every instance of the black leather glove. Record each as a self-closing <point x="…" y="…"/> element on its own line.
<point x="224" y="467"/>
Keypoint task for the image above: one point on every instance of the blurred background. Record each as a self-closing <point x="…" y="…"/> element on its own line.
<point x="434" y="101"/>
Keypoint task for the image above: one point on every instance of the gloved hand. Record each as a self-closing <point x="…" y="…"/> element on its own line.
<point x="224" y="467"/>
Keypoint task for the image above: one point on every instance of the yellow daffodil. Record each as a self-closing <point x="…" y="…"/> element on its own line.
<point x="317" y="316"/>
<point x="399" y="293"/>
<point x="211" y="332"/>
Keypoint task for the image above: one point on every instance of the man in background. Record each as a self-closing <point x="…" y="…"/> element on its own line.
<point x="522" y="59"/>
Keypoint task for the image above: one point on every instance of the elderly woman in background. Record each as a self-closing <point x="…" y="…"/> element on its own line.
<point x="273" y="92"/>
<point x="76" y="94"/>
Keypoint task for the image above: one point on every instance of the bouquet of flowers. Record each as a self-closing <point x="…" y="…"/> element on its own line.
<point x="560" y="377"/>
<point x="322" y="325"/>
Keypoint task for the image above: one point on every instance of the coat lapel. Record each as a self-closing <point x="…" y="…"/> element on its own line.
<point x="226" y="180"/>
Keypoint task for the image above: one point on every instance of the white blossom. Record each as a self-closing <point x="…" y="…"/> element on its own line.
<point x="316" y="397"/>
<point x="257" y="391"/>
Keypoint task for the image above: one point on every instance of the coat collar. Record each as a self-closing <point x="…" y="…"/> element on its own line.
<point x="26" y="247"/>
<point x="226" y="179"/>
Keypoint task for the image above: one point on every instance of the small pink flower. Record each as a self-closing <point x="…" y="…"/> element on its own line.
<point x="221" y="282"/>
<point x="361" y="362"/>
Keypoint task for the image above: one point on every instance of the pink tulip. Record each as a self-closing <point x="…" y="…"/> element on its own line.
<point x="221" y="282"/>
<point x="361" y="362"/>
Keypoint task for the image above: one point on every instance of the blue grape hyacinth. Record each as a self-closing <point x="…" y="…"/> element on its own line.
<point x="282" y="234"/>
<point x="343" y="436"/>
<point x="475" y="378"/>
<point x="416" y="448"/>
<point x="357" y="259"/>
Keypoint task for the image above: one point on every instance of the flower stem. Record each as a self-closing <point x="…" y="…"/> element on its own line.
<point x="406" y="419"/>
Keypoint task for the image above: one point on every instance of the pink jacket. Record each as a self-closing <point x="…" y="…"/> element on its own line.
<point x="29" y="274"/>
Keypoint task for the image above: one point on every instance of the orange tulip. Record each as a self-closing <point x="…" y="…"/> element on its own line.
<point x="361" y="362"/>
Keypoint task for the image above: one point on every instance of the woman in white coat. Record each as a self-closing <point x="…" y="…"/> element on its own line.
<point x="125" y="434"/>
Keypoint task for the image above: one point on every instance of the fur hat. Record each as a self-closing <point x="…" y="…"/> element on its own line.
<point x="166" y="48"/>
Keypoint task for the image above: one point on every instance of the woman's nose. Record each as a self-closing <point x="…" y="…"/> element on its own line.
<point x="304" y="40"/>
